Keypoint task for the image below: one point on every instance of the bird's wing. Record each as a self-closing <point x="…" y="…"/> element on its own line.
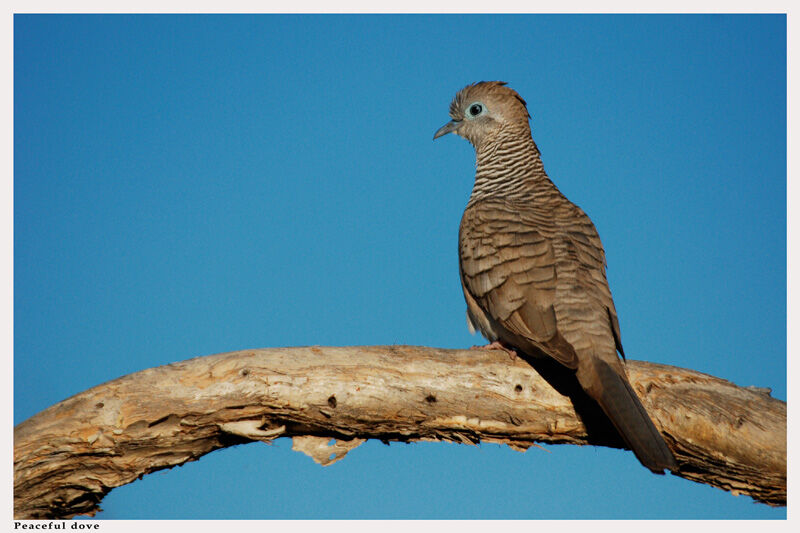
<point x="508" y="270"/>
<point x="584" y="304"/>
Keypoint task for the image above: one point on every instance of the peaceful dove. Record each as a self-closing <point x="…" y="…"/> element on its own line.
<point x="533" y="267"/>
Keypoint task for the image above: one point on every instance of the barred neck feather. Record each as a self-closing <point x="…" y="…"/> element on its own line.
<point x="509" y="167"/>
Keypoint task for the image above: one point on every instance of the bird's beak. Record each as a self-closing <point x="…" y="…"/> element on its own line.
<point x="450" y="127"/>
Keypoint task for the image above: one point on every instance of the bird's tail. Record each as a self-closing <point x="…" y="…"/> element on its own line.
<point x="619" y="402"/>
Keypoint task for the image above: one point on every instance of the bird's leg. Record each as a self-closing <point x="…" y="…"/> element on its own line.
<point x="497" y="345"/>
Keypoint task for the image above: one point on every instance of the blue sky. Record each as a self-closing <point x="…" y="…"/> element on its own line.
<point x="189" y="185"/>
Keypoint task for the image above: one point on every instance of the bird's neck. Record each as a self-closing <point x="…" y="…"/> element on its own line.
<point x="510" y="167"/>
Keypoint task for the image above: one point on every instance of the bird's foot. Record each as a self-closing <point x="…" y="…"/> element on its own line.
<point x="497" y="345"/>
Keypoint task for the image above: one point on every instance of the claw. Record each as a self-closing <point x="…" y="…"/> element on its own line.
<point x="496" y="345"/>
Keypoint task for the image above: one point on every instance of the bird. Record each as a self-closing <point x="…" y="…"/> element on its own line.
<point x="533" y="269"/>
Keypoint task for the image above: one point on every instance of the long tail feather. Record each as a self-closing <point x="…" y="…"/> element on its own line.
<point x="620" y="403"/>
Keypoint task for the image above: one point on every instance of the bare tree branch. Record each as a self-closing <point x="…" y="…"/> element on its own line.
<point x="67" y="457"/>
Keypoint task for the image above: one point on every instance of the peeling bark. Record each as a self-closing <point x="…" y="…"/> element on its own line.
<point x="67" y="457"/>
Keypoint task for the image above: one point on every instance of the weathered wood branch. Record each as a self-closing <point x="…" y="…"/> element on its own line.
<point x="67" y="457"/>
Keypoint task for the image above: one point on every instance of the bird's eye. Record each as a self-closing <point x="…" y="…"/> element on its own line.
<point x="475" y="109"/>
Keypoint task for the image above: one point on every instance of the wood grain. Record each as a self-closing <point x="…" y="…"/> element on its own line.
<point x="67" y="457"/>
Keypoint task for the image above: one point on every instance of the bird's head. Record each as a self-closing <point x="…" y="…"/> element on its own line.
<point x="481" y="110"/>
